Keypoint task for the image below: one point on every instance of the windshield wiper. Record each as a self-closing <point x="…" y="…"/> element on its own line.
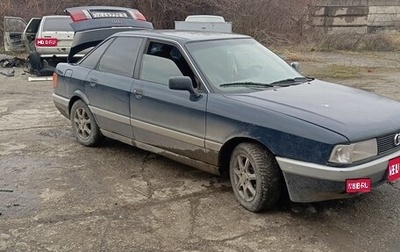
<point x="246" y="84"/>
<point x="291" y="81"/>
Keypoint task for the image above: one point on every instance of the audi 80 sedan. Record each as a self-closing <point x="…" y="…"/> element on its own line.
<point x="226" y="104"/>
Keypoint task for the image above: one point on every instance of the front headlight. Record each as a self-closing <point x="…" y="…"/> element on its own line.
<point x="350" y="153"/>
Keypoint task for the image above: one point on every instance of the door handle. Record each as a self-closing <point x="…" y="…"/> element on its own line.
<point x="93" y="81"/>
<point x="138" y="93"/>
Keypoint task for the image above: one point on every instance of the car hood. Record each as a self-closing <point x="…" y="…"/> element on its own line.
<point x="353" y="113"/>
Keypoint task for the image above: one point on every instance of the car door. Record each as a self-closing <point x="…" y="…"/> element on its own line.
<point x="29" y="34"/>
<point x="108" y="86"/>
<point x="13" y="29"/>
<point x="165" y="118"/>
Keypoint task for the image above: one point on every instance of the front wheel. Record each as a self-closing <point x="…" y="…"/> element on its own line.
<point x="84" y="125"/>
<point x="255" y="177"/>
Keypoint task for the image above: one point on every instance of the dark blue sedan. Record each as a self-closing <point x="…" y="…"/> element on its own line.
<point x="225" y="104"/>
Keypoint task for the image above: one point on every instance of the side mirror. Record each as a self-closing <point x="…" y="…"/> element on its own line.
<point x="295" y="65"/>
<point x="183" y="83"/>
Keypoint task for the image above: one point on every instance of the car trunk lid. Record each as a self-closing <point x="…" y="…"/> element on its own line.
<point x="93" y="24"/>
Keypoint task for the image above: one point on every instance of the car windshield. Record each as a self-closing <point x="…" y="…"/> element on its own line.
<point x="241" y="65"/>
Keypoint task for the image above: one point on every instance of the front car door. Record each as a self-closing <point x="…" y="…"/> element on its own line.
<point x="13" y="29"/>
<point x="165" y="118"/>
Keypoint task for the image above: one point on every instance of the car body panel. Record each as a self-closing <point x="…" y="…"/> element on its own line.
<point x="299" y="124"/>
<point x="112" y="115"/>
<point x="310" y="102"/>
<point x="228" y="119"/>
<point x="13" y="29"/>
<point x="169" y="119"/>
<point x="29" y="34"/>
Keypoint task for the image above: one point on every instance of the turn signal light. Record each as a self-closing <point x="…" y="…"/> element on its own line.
<point x="55" y="80"/>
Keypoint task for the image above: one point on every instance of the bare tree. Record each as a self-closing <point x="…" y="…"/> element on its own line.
<point x="270" y="21"/>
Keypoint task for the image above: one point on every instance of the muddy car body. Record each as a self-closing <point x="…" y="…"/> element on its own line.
<point x="226" y="104"/>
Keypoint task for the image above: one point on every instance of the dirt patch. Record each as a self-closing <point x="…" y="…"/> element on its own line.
<point x="60" y="196"/>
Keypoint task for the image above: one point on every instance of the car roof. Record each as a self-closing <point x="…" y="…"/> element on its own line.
<point x="57" y="16"/>
<point x="98" y="7"/>
<point x="182" y="36"/>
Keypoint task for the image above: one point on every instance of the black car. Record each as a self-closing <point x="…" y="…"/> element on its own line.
<point x="226" y="104"/>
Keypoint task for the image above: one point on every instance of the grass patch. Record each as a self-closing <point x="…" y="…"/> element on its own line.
<point x="300" y="56"/>
<point x="336" y="72"/>
<point x="382" y="41"/>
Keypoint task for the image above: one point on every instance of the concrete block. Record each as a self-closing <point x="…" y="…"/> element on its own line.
<point x="384" y="9"/>
<point x="390" y="18"/>
<point x="318" y="21"/>
<point x="347" y="29"/>
<point x="334" y="11"/>
<point x="384" y="2"/>
<point x="342" y="2"/>
<point x="347" y="21"/>
<point x="319" y="11"/>
<point x="340" y="21"/>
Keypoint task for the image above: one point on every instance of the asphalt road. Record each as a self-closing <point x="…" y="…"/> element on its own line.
<point x="56" y="195"/>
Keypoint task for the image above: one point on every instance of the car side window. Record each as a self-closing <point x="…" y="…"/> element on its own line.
<point x="162" y="61"/>
<point x="14" y="25"/>
<point x="120" y="57"/>
<point x="92" y="59"/>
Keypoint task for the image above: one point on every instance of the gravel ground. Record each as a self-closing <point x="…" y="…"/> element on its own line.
<point x="56" y="195"/>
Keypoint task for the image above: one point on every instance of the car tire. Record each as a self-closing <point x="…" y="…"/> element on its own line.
<point x="255" y="177"/>
<point x="84" y="125"/>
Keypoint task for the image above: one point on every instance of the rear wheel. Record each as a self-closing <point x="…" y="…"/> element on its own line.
<point x="84" y="125"/>
<point x="255" y="177"/>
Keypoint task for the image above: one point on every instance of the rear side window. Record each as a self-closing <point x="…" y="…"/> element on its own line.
<point x="57" y="24"/>
<point x="121" y="55"/>
<point x="91" y="60"/>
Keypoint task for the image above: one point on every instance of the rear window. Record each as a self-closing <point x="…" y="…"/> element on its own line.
<point x="58" y="24"/>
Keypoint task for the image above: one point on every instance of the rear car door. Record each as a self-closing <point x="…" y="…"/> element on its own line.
<point x="168" y="119"/>
<point x="108" y="86"/>
<point x="13" y="29"/>
<point x="29" y="34"/>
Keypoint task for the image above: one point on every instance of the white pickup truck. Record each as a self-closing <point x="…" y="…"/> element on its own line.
<point x="208" y="23"/>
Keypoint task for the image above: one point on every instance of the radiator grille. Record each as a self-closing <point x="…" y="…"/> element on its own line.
<point x="386" y="143"/>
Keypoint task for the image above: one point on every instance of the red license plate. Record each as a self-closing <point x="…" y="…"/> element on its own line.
<point x="46" y="42"/>
<point x="358" y="185"/>
<point x="394" y="169"/>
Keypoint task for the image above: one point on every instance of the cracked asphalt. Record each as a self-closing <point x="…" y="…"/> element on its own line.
<point x="56" y="195"/>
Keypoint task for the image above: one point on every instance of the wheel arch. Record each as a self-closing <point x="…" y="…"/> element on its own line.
<point x="227" y="149"/>
<point x="78" y="95"/>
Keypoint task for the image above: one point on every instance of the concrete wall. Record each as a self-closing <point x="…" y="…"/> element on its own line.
<point x="360" y="16"/>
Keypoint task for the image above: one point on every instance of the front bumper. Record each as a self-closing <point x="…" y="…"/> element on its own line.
<point x="309" y="182"/>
